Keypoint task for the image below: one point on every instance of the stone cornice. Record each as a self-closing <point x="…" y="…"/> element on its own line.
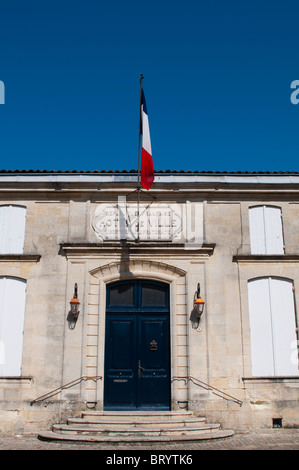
<point x="131" y="248"/>
<point x="29" y="258"/>
<point x="172" y="183"/>
<point x="265" y="258"/>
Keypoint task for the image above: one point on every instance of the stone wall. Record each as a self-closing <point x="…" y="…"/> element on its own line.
<point x="65" y="250"/>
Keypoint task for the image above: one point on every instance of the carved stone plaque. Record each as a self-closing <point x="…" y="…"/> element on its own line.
<point x="119" y="221"/>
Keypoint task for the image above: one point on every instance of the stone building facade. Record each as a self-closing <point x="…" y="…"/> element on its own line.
<point x="137" y="343"/>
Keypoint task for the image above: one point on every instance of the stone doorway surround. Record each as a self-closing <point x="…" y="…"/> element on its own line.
<point x="136" y="269"/>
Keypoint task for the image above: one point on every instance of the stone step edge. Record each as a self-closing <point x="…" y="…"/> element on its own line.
<point x="65" y="428"/>
<point x="52" y="436"/>
<point x="122" y="422"/>
<point x="138" y="414"/>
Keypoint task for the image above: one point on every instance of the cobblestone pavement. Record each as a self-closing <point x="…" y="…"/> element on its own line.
<point x="276" y="439"/>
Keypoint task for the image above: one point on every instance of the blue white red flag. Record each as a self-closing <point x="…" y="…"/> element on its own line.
<point x="147" y="167"/>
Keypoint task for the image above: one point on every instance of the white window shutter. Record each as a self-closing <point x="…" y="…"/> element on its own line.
<point x="4" y="229"/>
<point x="266" y="234"/>
<point x="257" y="230"/>
<point x="273" y="231"/>
<point x="272" y="327"/>
<point x="260" y="328"/>
<point x="12" y="310"/>
<point x="12" y="229"/>
<point x="283" y="327"/>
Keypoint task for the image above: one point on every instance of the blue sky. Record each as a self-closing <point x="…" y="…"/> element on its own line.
<point x="217" y="81"/>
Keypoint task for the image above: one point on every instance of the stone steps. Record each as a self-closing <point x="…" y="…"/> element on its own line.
<point x="138" y="415"/>
<point x="52" y="436"/>
<point x="134" y="430"/>
<point x="113" y="424"/>
<point x="118" y="427"/>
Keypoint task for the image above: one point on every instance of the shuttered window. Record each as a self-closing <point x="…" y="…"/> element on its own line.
<point x="273" y="327"/>
<point x="12" y="229"/>
<point x="266" y="234"/>
<point x="12" y="309"/>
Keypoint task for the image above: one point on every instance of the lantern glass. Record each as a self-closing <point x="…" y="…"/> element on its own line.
<point x="199" y="306"/>
<point x="74" y="307"/>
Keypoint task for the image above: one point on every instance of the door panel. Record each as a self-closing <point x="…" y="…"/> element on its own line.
<point x="137" y="363"/>
<point x="120" y="362"/>
<point x="153" y="383"/>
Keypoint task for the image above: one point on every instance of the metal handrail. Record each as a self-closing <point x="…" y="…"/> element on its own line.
<point x="214" y="390"/>
<point x="95" y="378"/>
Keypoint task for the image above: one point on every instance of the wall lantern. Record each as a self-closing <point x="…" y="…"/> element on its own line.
<point x="74" y="312"/>
<point x="199" y="303"/>
<point x="198" y="307"/>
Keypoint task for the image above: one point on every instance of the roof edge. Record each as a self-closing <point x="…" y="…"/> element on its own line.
<point x="157" y="172"/>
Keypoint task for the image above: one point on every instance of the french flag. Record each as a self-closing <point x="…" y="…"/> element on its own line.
<point x="147" y="167"/>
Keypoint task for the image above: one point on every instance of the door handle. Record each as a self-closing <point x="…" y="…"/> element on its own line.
<point x="140" y="369"/>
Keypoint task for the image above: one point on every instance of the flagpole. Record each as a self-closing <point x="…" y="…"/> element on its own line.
<point x="139" y="145"/>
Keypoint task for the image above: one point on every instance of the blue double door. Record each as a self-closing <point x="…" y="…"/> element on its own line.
<point x="137" y="346"/>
